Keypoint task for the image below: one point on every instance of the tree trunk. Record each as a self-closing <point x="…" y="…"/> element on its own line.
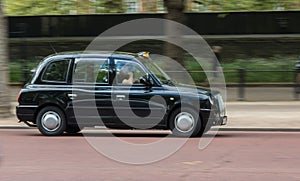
<point x="175" y="13"/>
<point x="173" y="31"/>
<point x="4" y="92"/>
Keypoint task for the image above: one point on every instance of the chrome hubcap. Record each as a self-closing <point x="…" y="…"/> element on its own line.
<point x="184" y="122"/>
<point x="51" y="121"/>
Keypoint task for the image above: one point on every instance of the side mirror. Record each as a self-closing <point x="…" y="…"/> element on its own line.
<point x="146" y="80"/>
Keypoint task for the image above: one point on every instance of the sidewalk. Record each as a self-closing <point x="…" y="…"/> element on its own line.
<point x="279" y="115"/>
<point x="276" y="113"/>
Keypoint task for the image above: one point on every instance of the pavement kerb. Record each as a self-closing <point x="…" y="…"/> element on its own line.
<point x="249" y="129"/>
<point x="265" y="103"/>
<point x="15" y="127"/>
<point x="260" y="129"/>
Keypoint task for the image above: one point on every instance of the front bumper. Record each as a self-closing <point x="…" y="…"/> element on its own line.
<point x="218" y="113"/>
<point x="217" y="121"/>
<point x="222" y="120"/>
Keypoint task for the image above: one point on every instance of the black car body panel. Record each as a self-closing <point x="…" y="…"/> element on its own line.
<point x="106" y="102"/>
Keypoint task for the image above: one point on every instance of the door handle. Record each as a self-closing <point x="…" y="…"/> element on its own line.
<point x="120" y="97"/>
<point x="72" y="96"/>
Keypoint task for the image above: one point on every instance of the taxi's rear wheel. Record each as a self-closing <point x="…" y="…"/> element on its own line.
<point x="51" y="121"/>
<point x="185" y="122"/>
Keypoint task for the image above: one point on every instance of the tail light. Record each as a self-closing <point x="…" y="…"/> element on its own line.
<point x="19" y="96"/>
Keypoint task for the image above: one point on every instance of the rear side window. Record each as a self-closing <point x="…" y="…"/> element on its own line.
<point x="56" y="71"/>
<point x="91" y="71"/>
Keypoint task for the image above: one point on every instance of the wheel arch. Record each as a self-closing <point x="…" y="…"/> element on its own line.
<point x="177" y="106"/>
<point x="48" y="105"/>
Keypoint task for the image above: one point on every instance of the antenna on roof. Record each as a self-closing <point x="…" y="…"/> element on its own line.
<point x="52" y="48"/>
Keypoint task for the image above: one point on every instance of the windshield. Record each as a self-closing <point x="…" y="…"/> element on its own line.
<point x="157" y="71"/>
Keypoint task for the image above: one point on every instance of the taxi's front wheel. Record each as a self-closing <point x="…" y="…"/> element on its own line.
<point x="51" y="121"/>
<point x="185" y="122"/>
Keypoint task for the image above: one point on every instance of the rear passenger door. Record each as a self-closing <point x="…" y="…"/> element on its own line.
<point x="92" y="91"/>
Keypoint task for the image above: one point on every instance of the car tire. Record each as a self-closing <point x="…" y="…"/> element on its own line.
<point x="51" y="121"/>
<point x="185" y="122"/>
<point x="72" y="129"/>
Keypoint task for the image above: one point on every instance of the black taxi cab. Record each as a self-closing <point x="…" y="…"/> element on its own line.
<point x="73" y="90"/>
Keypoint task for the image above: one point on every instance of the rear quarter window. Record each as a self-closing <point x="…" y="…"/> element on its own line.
<point x="56" y="71"/>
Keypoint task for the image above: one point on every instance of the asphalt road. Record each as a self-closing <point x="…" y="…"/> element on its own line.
<point x="26" y="155"/>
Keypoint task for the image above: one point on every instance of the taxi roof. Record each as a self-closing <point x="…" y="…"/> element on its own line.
<point x="95" y="54"/>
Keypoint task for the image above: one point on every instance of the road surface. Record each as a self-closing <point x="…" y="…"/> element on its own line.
<point x="26" y="155"/>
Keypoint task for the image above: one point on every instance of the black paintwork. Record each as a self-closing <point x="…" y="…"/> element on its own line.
<point x="109" y="104"/>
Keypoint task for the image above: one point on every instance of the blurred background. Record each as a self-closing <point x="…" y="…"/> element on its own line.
<point x="257" y="42"/>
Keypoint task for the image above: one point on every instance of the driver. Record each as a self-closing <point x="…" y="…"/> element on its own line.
<point x="127" y="73"/>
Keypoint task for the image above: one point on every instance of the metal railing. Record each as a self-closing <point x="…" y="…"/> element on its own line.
<point x="241" y="81"/>
<point x="242" y="84"/>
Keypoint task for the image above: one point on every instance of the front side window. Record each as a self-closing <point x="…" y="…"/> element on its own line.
<point x="56" y="71"/>
<point x="128" y="73"/>
<point x="91" y="71"/>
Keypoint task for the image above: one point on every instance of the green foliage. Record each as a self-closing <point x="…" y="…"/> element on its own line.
<point x="232" y="76"/>
<point x="109" y="6"/>
<point x="249" y="5"/>
<point x="229" y="69"/>
<point x="53" y="7"/>
<point x="33" y="7"/>
<point x="57" y="7"/>
<point x="273" y="63"/>
<point x="17" y="68"/>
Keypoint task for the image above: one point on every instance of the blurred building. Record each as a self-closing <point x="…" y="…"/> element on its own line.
<point x="144" y="6"/>
<point x="157" y="6"/>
